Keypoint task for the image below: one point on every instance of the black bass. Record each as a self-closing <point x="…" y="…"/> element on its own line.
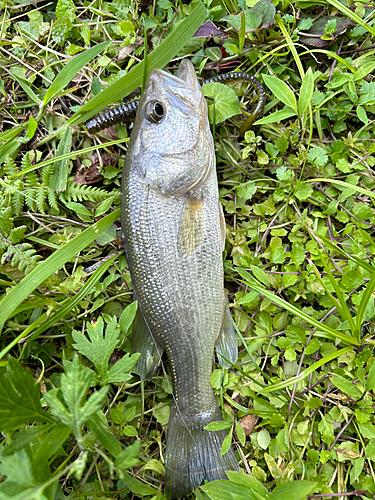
<point x="174" y="233"/>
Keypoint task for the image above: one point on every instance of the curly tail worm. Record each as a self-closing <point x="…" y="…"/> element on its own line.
<point x="127" y="111"/>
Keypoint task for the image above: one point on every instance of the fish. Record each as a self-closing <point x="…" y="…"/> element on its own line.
<point x="173" y="231"/>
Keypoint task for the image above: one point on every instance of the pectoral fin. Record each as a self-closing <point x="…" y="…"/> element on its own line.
<point x="190" y="234"/>
<point x="227" y="341"/>
<point x="144" y="343"/>
<point x="222" y="226"/>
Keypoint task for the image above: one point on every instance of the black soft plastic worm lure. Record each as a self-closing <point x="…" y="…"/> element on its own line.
<point x="127" y="111"/>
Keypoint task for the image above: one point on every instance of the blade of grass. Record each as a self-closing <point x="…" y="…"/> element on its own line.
<point x="352" y="15"/>
<point x="343" y="308"/>
<point x="67" y="156"/>
<point x="307" y="372"/>
<point x="54" y="262"/>
<point x="364" y="301"/>
<point x="248" y="280"/>
<point x="10" y="134"/>
<point x="291" y="45"/>
<point x="43" y="323"/>
<point x="69" y="71"/>
<point x="161" y="56"/>
<point x="59" y="178"/>
<point x="330" y="244"/>
<point x="345" y="185"/>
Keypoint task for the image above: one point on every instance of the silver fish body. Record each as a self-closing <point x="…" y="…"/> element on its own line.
<point x="173" y="234"/>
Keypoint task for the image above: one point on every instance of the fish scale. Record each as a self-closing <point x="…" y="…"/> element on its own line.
<point x="173" y="234"/>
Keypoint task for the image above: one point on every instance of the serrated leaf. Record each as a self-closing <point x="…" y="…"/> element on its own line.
<point x="222" y="103"/>
<point x="99" y="348"/>
<point x="20" y="399"/>
<point x="119" y="372"/>
<point x="281" y="90"/>
<point x="75" y="410"/>
<point x="303" y="191"/>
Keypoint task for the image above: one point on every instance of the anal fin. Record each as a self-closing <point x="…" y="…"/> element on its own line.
<point x="227" y="342"/>
<point x="144" y="342"/>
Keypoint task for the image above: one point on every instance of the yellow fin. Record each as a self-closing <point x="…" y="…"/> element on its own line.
<point x="190" y="235"/>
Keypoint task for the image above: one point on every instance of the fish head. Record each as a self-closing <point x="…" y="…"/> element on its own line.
<point x="171" y="140"/>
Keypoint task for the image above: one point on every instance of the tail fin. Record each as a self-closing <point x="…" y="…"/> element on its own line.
<point x="194" y="454"/>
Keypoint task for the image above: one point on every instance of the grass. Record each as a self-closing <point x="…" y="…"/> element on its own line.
<point x="298" y="198"/>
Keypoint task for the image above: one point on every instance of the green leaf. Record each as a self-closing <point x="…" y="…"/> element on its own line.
<point x="263" y="439"/>
<point x="367" y="430"/>
<point x="306" y="92"/>
<point x="127" y="316"/>
<point x="103" y="207"/>
<point x="366" y="298"/>
<point x="253" y="20"/>
<point x="78" y="208"/>
<point x="318" y="156"/>
<point x="219" y="425"/>
<point x="20" y="399"/>
<point x="99" y="348"/>
<point x="297" y="490"/>
<point x="74" y="410"/>
<point x="119" y="372"/>
<point x="277" y="116"/>
<point x="240" y="433"/>
<point x="106" y="438"/>
<point x="69" y="71"/>
<point x="246" y="190"/>
<point x="226" y="443"/>
<point x="260" y="275"/>
<point x="362" y="115"/>
<point x="345" y="386"/>
<point x="161" y="56"/>
<point x="303" y="191"/>
<point x="225" y="490"/>
<point x="281" y="90"/>
<point x="135" y="486"/>
<point x="45" y="269"/>
<point x="249" y="481"/>
<point x="59" y="178"/>
<point x="128" y="457"/>
<point x="17" y="469"/>
<point x="370" y="385"/>
<point x="223" y="99"/>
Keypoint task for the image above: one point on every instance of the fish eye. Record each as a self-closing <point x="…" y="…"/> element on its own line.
<point x="155" y="111"/>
